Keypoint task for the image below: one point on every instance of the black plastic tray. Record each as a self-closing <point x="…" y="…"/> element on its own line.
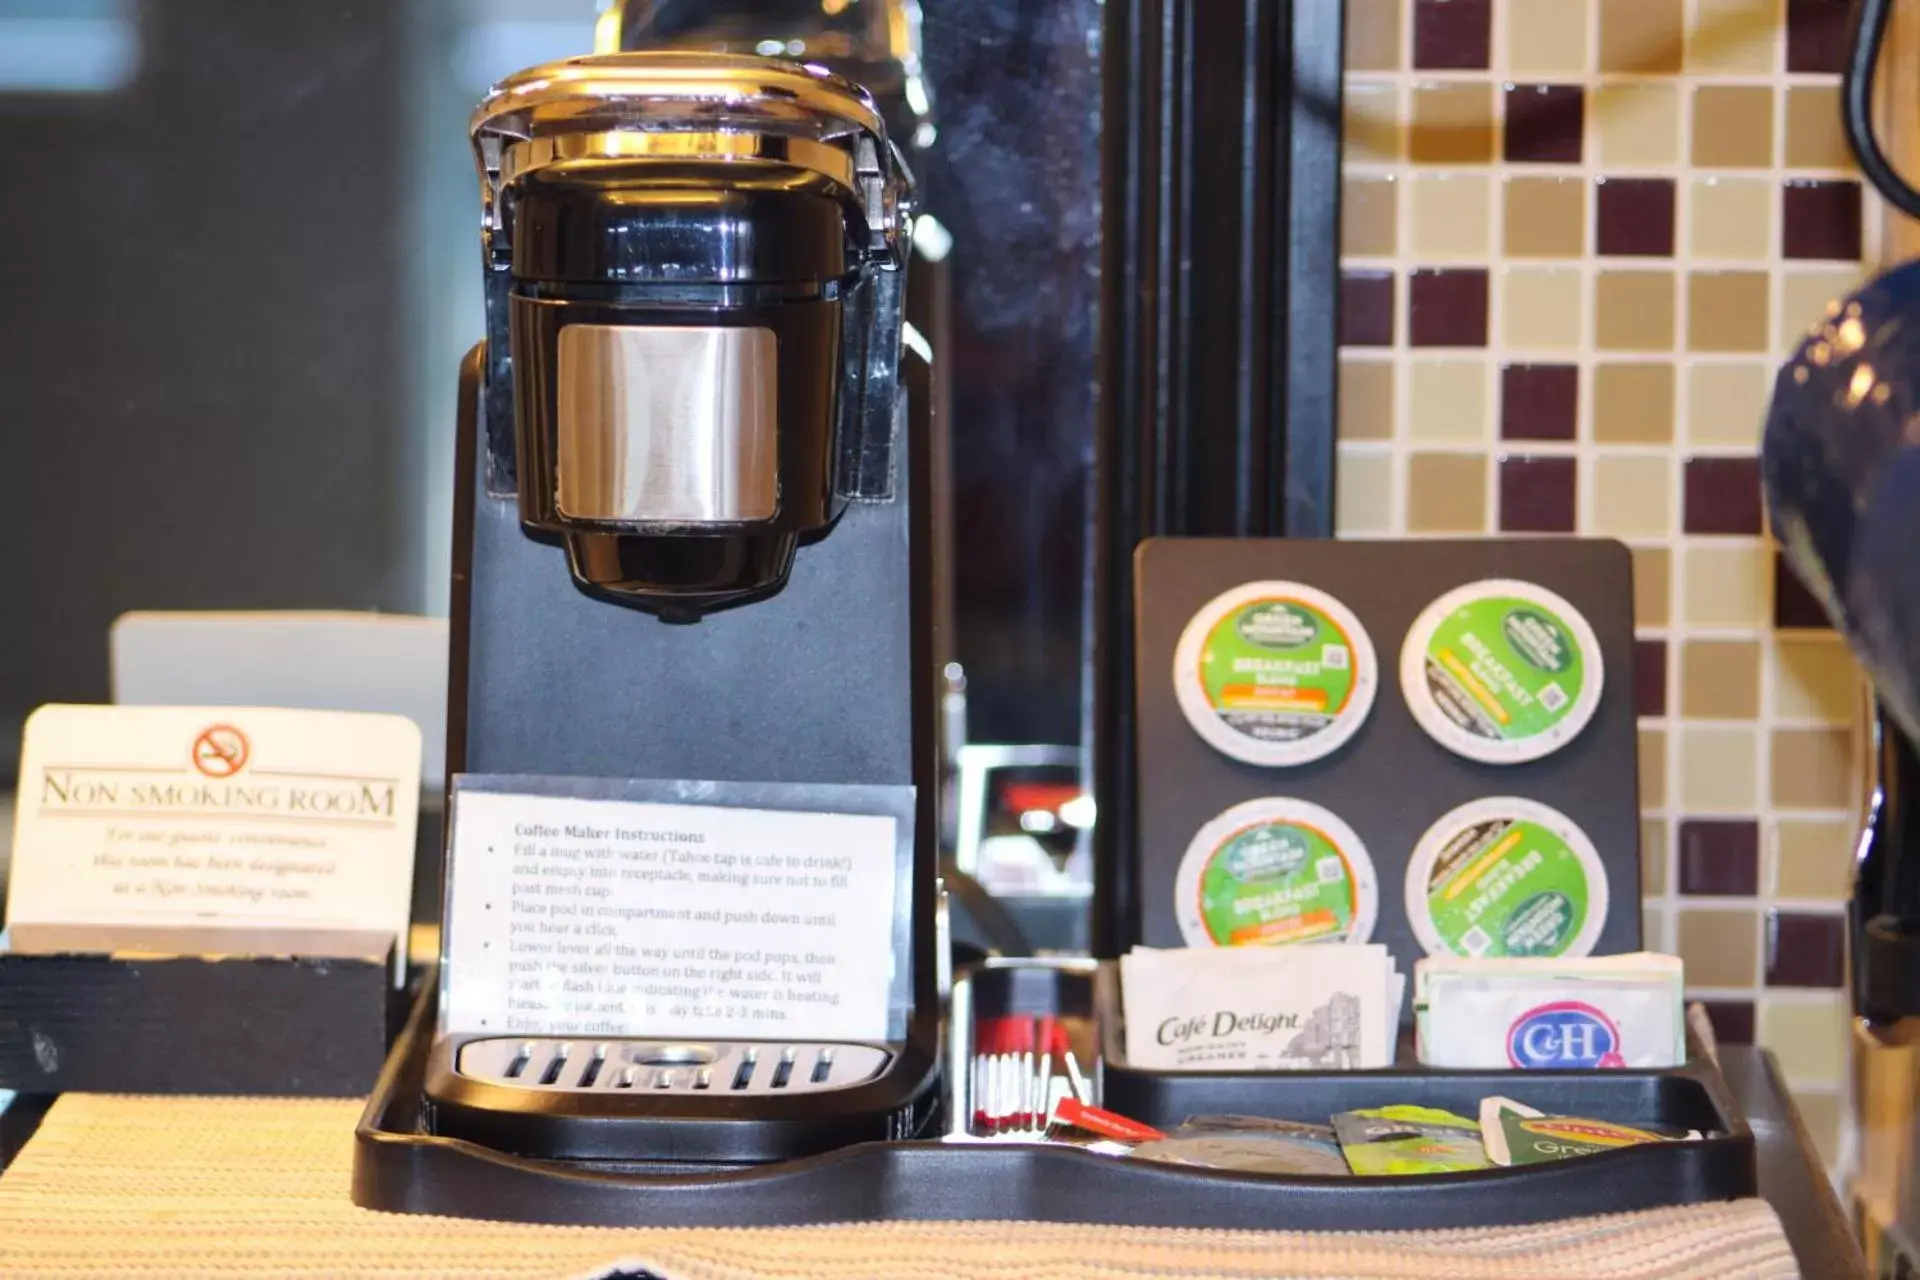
<point x="400" y="1166"/>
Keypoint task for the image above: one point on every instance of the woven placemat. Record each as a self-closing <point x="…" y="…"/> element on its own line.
<point x="257" y="1187"/>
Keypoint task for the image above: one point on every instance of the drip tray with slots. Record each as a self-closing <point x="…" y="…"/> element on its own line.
<point x="614" y="1065"/>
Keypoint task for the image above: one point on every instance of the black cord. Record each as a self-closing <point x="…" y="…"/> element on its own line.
<point x="1856" y="107"/>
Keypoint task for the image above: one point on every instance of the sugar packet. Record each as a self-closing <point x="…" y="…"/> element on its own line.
<point x="1310" y="1007"/>
<point x="1550" y="1014"/>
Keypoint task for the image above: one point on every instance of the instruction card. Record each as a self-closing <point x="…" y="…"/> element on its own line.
<point x="572" y="916"/>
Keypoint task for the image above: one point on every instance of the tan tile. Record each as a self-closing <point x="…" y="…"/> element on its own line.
<point x="1732" y="218"/>
<point x="1813" y="769"/>
<point x="1366" y="400"/>
<point x="1641" y="35"/>
<point x="1821" y="1112"/>
<point x="1807" y="1033"/>
<point x="1373" y="34"/>
<point x="1732" y="126"/>
<point x="1632" y="497"/>
<point x="1815" y="678"/>
<point x="1720" y="946"/>
<point x="1727" y="403"/>
<point x="1727" y="586"/>
<point x="1638" y="124"/>
<point x="1364" y="492"/>
<point x="1369" y="221"/>
<point x="1541" y="309"/>
<point x="1718" y="768"/>
<point x="1653" y="768"/>
<point x="1814" y="139"/>
<point x="1727" y="311"/>
<point x="1812" y="859"/>
<point x="1452" y="123"/>
<point x="1447" y="493"/>
<point x="1655" y="931"/>
<point x="1546" y="217"/>
<point x="1804" y="296"/>
<point x="1652" y="586"/>
<point x="1633" y="310"/>
<point x="1547" y="35"/>
<point x="1733" y="35"/>
<point x="1370" y="121"/>
<point x="1720" y="679"/>
<point x="1653" y="856"/>
<point x="1447" y="402"/>
<point x="1633" y="403"/>
<point x="1452" y="216"/>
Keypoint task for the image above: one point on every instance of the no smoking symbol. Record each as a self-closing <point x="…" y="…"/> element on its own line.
<point x="221" y="751"/>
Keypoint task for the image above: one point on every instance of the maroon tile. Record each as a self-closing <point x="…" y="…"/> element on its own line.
<point x="1720" y="855"/>
<point x="1732" y="1020"/>
<point x="1545" y="123"/>
<point x="1649" y="677"/>
<point x="1795" y="607"/>
<point x="1820" y="220"/>
<point x="1452" y="35"/>
<point x="1817" y="34"/>
<point x="1539" y="401"/>
<point x="1537" y="494"/>
<point x="1723" y="495"/>
<point x="1447" y="308"/>
<point x="1366" y="308"/>
<point x="1634" y="217"/>
<point x="1805" y="949"/>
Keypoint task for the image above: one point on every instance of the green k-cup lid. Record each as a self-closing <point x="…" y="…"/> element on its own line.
<point x="1274" y="871"/>
<point x="1506" y="876"/>
<point x="1501" y="671"/>
<point x="1275" y="673"/>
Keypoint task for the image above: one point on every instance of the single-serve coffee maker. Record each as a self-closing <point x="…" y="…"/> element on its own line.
<point x="692" y="557"/>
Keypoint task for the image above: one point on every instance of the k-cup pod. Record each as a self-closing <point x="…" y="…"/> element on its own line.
<point x="1274" y="871"/>
<point x="1275" y="673"/>
<point x="1501" y="671"/>
<point x="1506" y="876"/>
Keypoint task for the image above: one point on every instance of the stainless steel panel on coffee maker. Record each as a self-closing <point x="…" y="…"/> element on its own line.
<point x="667" y="424"/>
<point x="619" y="1065"/>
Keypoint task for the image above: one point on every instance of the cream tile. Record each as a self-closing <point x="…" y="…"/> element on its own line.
<point x="1804" y="296"/>
<point x="1451" y="123"/>
<point x="1448" y="402"/>
<point x="1545" y="217"/>
<point x="1656" y="928"/>
<point x="1814" y="137"/>
<point x="1719" y="767"/>
<point x="1720" y="679"/>
<point x="1814" y="769"/>
<point x="1812" y="859"/>
<point x="1547" y="35"/>
<point x="1370" y="121"/>
<point x="1653" y="768"/>
<point x="1632" y="497"/>
<point x="1815" y="678"/>
<point x="1733" y="35"/>
<point x="1364" y="498"/>
<point x="1727" y="311"/>
<point x="1720" y="945"/>
<point x="1369" y="223"/>
<point x="1452" y="216"/>
<point x="1732" y="126"/>
<point x="1653" y="856"/>
<point x="1652" y="586"/>
<point x="1732" y="218"/>
<point x="1641" y="35"/>
<point x="1633" y="403"/>
<point x="1637" y="124"/>
<point x="1727" y="586"/>
<point x="1727" y="404"/>
<point x="1633" y="310"/>
<point x="1373" y="34"/>
<point x="1541" y="309"/>
<point x="1447" y="493"/>
<point x="1366" y="399"/>
<point x="1807" y="1033"/>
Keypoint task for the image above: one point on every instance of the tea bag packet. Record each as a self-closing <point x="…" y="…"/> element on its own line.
<point x="1515" y="1133"/>
<point x="1251" y="1144"/>
<point x="1318" y="1007"/>
<point x="1550" y="1014"/>
<point x="1402" y="1140"/>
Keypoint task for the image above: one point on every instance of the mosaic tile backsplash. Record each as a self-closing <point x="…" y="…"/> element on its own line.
<point x="1578" y="237"/>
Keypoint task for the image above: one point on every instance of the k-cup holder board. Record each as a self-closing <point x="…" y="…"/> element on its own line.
<point x="1502" y="670"/>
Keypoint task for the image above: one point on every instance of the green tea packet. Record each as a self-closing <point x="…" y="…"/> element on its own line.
<point x="1406" y="1139"/>
<point x="1515" y="1133"/>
